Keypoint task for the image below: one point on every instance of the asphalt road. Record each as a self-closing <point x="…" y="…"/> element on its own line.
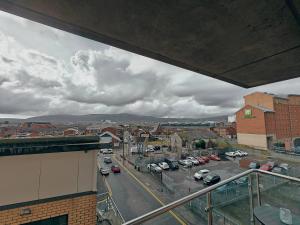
<point x="132" y="198"/>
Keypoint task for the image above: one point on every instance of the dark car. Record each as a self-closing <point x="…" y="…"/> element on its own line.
<point x="107" y="160"/>
<point x="173" y="163"/>
<point x="254" y="165"/>
<point x="115" y="169"/>
<point x="211" y="179"/>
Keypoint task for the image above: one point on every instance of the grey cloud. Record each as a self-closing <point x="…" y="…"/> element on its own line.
<point x="115" y="84"/>
<point x="28" y="81"/>
<point x="7" y="60"/>
<point x="26" y="102"/>
<point x="3" y="80"/>
<point x="44" y="58"/>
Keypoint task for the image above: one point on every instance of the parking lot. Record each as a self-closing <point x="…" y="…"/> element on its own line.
<point x="181" y="182"/>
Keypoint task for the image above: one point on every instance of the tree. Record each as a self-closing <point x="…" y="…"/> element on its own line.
<point x="200" y="144"/>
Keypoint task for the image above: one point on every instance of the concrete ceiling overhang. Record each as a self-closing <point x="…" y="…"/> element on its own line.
<point x="243" y="42"/>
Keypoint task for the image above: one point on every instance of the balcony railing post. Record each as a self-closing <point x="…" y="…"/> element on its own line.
<point x="258" y="189"/>
<point x="209" y="209"/>
<point x="250" y="189"/>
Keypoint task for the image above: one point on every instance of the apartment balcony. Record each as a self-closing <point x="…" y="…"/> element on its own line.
<point x="251" y="197"/>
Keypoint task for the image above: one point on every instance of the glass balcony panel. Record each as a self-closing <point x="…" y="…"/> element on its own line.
<point x="231" y="202"/>
<point x="279" y="196"/>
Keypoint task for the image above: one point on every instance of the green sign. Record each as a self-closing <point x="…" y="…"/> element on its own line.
<point x="248" y="113"/>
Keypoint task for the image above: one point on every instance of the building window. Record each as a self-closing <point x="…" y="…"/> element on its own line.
<point x="59" y="220"/>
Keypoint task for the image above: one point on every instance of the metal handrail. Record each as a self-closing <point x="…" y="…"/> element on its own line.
<point x="179" y="202"/>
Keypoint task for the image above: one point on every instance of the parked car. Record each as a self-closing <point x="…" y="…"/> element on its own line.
<point x="164" y="165"/>
<point x="154" y="168"/>
<point x="150" y="150"/>
<point x="173" y="164"/>
<point x="214" y="157"/>
<point x="193" y="160"/>
<point x="107" y="160"/>
<point x="107" y="151"/>
<point x="115" y="169"/>
<point x="284" y="166"/>
<point x="104" y="171"/>
<point x="279" y="170"/>
<point x="211" y="179"/>
<point x="185" y="163"/>
<point x="205" y="158"/>
<point x="254" y="165"/>
<point x="230" y="154"/>
<point x="266" y="167"/>
<point x="240" y="153"/>
<point x="134" y="150"/>
<point x="201" y="174"/>
<point x="272" y="164"/>
<point x="200" y="160"/>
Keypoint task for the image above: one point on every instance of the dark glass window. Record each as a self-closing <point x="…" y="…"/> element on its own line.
<point x="59" y="220"/>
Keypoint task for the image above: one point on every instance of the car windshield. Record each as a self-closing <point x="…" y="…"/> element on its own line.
<point x="209" y="177"/>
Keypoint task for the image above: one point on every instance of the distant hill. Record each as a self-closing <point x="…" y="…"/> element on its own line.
<point x="123" y="117"/>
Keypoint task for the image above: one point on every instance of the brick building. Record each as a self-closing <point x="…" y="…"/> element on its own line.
<point x="267" y="119"/>
<point x="226" y="131"/>
<point x="48" y="181"/>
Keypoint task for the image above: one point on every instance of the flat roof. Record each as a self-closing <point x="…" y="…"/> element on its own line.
<point x="247" y="43"/>
<point x="25" y="146"/>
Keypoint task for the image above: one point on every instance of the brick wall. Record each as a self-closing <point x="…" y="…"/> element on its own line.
<point x="80" y="210"/>
<point x="253" y="125"/>
<point x="260" y="99"/>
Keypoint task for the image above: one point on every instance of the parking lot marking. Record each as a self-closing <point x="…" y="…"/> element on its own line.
<point x="151" y="193"/>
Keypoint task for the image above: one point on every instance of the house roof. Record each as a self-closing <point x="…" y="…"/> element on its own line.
<point x="110" y="134"/>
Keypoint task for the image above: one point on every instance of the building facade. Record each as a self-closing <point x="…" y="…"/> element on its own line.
<point x="267" y="120"/>
<point x="48" y="181"/>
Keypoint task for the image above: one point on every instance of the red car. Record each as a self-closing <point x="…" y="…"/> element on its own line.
<point x="205" y="158"/>
<point x="266" y="167"/>
<point x="115" y="169"/>
<point x="214" y="157"/>
<point x="200" y="160"/>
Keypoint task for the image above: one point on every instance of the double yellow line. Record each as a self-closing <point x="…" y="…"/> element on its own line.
<point x="151" y="193"/>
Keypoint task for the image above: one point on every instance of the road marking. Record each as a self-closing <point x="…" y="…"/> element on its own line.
<point x="151" y="193"/>
<point x="108" y="187"/>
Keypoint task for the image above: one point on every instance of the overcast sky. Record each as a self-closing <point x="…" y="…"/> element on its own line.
<point x="47" y="71"/>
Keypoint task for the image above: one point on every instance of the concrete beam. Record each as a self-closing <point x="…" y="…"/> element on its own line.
<point x="244" y="42"/>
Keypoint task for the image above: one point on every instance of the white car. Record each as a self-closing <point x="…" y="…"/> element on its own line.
<point x="154" y="168"/>
<point x="164" y="165"/>
<point x="193" y="160"/>
<point x="230" y="154"/>
<point x="201" y="174"/>
<point x="107" y="151"/>
<point x="186" y="163"/>
<point x="149" y="150"/>
<point x="240" y="153"/>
